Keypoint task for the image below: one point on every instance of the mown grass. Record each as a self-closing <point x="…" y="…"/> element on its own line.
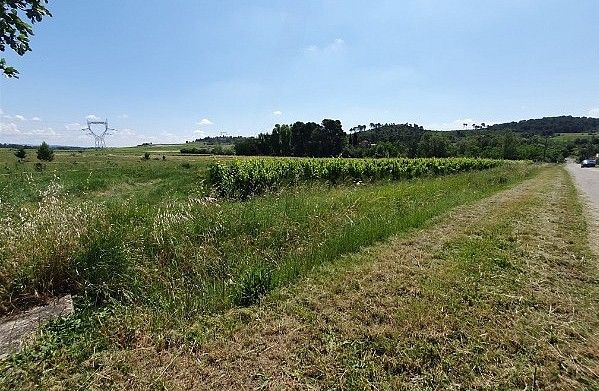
<point x="144" y="271"/>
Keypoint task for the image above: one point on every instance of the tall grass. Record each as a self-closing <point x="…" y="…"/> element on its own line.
<point x="204" y="254"/>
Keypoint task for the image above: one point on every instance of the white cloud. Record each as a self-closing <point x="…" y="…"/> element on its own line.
<point x="9" y="129"/>
<point x="277" y="112"/>
<point x="26" y="135"/>
<point x="124" y="116"/>
<point x="19" y="117"/>
<point x="92" y="117"/>
<point x="73" y="126"/>
<point x="334" y="47"/>
<point x="44" y="132"/>
<point x="205" y="122"/>
<point x="36" y="119"/>
<point x="127" y="132"/>
<point x="594" y="112"/>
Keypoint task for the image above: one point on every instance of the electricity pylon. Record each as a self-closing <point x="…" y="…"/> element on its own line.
<point x="98" y="136"/>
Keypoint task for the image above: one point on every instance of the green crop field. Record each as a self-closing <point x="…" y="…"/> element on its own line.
<point x="157" y="251"/>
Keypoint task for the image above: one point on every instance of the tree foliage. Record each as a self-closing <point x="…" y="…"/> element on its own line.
<point x="299" y="139"/>
<point x="536" y="140"/>
<point x="21" y="154"/>
<point x="15" y="31"/>
<point x="551" y="125"/>
<point x="44" y="152"/>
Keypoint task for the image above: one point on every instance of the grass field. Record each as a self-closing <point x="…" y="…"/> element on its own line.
<point x="167" y="279"/>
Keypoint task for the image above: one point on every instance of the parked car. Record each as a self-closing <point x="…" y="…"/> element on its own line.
<point x="588" y="163"/>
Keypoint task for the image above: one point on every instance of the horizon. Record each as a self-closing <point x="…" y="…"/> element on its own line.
<point x="241" y="68"/>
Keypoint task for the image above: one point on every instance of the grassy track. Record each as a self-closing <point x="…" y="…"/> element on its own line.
<point x="502" y="294"/>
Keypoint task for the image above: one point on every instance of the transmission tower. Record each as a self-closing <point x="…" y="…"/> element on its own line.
<point x="98" y="135"/>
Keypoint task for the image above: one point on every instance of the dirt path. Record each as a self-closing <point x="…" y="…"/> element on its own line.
<point x="500" y="294"/>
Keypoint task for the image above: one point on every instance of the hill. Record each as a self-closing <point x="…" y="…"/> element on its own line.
<point x="551" y="125"/>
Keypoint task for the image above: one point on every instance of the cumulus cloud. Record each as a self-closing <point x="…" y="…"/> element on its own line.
<point x="25" y="135"/>
<point x="205" y="122"/>
<point x="36" y="119"/>
<point x="19" y="117"/>
<point x="124" y="116"/>
<point x="277" y="112"/>
<point x="92" y="117"/>
<point x="594" y="112"/>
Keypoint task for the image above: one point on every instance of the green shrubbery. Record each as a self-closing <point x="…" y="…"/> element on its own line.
<point x="241" y="179"/>
<point x="215" y="150"/>
<point x="44" y="152"/>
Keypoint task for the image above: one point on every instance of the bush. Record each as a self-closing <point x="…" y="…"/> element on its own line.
<point x="21" y="154"/>
<point x="44" y="152"/>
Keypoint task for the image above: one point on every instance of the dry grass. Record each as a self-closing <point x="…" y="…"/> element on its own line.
<point x="499" y="295"/>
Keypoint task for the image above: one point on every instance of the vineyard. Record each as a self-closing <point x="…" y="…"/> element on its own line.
<point x="244" y="178"/>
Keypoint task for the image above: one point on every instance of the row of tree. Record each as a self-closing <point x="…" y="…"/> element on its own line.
<point x="298" y="139"/>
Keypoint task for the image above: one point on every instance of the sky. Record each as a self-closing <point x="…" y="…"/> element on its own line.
<point x="166" y="72"/>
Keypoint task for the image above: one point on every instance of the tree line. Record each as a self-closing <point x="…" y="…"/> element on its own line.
<point x="412" y="140"/>
<point x="299" y="139"/>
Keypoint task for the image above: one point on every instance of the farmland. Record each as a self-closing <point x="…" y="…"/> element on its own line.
<point x="165" y="257"/>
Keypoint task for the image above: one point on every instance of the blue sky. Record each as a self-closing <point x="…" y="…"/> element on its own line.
<point x="170" y="71"/>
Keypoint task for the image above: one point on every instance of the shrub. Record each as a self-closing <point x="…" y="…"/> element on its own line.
<point x="195" y="151"/>
<point x="44" y="152"/>
<point x="21" y="154"/>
